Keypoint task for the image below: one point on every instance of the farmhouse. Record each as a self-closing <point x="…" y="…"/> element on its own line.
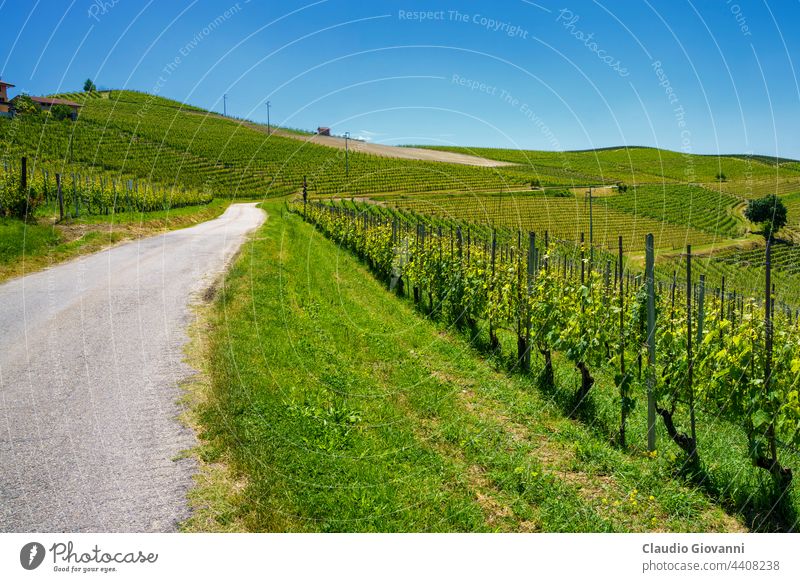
<point x="323" y="131"/>
<point x="5" y="105"/>
<point x="46" y="103"/>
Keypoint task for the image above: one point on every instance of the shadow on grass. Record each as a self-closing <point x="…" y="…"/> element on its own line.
<point x="764" y="507"/>
<point x="564" y="397"/>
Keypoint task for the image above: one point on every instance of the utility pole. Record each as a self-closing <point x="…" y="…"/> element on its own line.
<point x="225" y="104"/>
<point x="305" y="196"/>
<point x="346" y="154"/>
<point x="268" y="127"/>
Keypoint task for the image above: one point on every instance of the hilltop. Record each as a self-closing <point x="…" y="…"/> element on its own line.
<point x="151" y="137"/>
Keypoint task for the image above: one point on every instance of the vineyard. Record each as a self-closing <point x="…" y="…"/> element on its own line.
<point x="148" y="138"/>
<point x="677" y="215"/>
<point x="244" y="162"/>
<point x="174" y="155"/>
<point x="694" y="361"/>
<point x="638" y="165"/>
<point x="741" y="271"/>
<point x="697" y="208"/>
<point x="124" y="136"/>
<point x="74" y="194"/>
<point x="455" y="238"/>
<point x="792" y="202"/>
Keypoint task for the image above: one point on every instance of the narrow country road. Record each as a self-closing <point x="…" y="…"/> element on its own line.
<point x="90" y="365"/>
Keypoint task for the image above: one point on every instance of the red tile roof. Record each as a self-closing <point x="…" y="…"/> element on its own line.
<point x="55" y="101"/>
<point x="6" y="84"/>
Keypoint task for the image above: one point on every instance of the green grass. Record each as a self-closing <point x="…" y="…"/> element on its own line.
<point x="340" y="408"/>
<point x="726" y="474"/>
<point x="26" y="247"/>
<point x="18" y="238"/>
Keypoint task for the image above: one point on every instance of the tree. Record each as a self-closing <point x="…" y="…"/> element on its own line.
<point x="768" y="212"/>
<point x="24" y="105"/>
<point x="61" y="112"/>
<point x="722" y="177"/>
<point x="89" y="86"/>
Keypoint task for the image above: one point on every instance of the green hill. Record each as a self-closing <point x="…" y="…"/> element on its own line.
<point x="637" y="165"/>
<point x="134" y="151"/>
<point x="134" y="134"/>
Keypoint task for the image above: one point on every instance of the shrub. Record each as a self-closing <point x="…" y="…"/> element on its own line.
<point x="14" y="201"/>
<point x="24" y="105"/>
<point x="61" y="112"/>
<point x="769" y="212"/>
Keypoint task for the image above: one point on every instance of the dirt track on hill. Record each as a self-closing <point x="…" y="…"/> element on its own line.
<point x="375" y="149"/>
<point x="387" y="151"/>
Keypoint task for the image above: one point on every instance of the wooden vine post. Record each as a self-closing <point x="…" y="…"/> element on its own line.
<point x="546" y="250"/>
<point x="75" y="196"/>
<point x="493" y="341"/>
<point x="689" y="355"/>
<point x="651" y="343"/>
<point x="527" y="310"/>
<point x="623" y="379"/>
<point x="23" y="175"/>
<point x="701" y="317"/>
<point x="583" y="266"/>
<point x="305" y="196"/>
<point x="418" y="261"/>
<point x="768" y="315"/>
<point x="60" y="194"/>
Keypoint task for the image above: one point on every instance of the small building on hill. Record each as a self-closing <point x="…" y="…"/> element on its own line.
<point x="324" y="131"/>
<point x="5" y="104"/>
<point x="46" y="103"/>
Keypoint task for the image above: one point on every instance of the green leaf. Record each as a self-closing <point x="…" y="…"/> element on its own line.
<point x="759" y="418"/>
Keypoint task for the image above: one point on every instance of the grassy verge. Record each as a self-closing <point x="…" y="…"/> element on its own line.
<point x="29" y="247"/>
<point x="216" y="499"/>
<point x="331" y="405"/>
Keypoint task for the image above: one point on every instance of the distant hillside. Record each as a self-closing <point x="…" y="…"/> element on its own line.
<point x="128" y="133"/>
<point x="744" y="176"/>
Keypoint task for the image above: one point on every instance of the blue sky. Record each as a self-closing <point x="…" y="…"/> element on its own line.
<point x="707" y="77"/>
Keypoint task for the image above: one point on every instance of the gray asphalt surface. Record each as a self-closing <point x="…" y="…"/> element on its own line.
<point x="90" y="365"/>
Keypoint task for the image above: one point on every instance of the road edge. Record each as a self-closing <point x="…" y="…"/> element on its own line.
<point x="213" y="497"/>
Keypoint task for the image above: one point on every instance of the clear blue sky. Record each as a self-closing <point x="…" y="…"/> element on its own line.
<point x="509" y="73"/>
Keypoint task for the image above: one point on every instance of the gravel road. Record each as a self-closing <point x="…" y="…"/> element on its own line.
<point x="375" y="149"/>
<point x="90" y="365"/>
<point x="401" y="152"/>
